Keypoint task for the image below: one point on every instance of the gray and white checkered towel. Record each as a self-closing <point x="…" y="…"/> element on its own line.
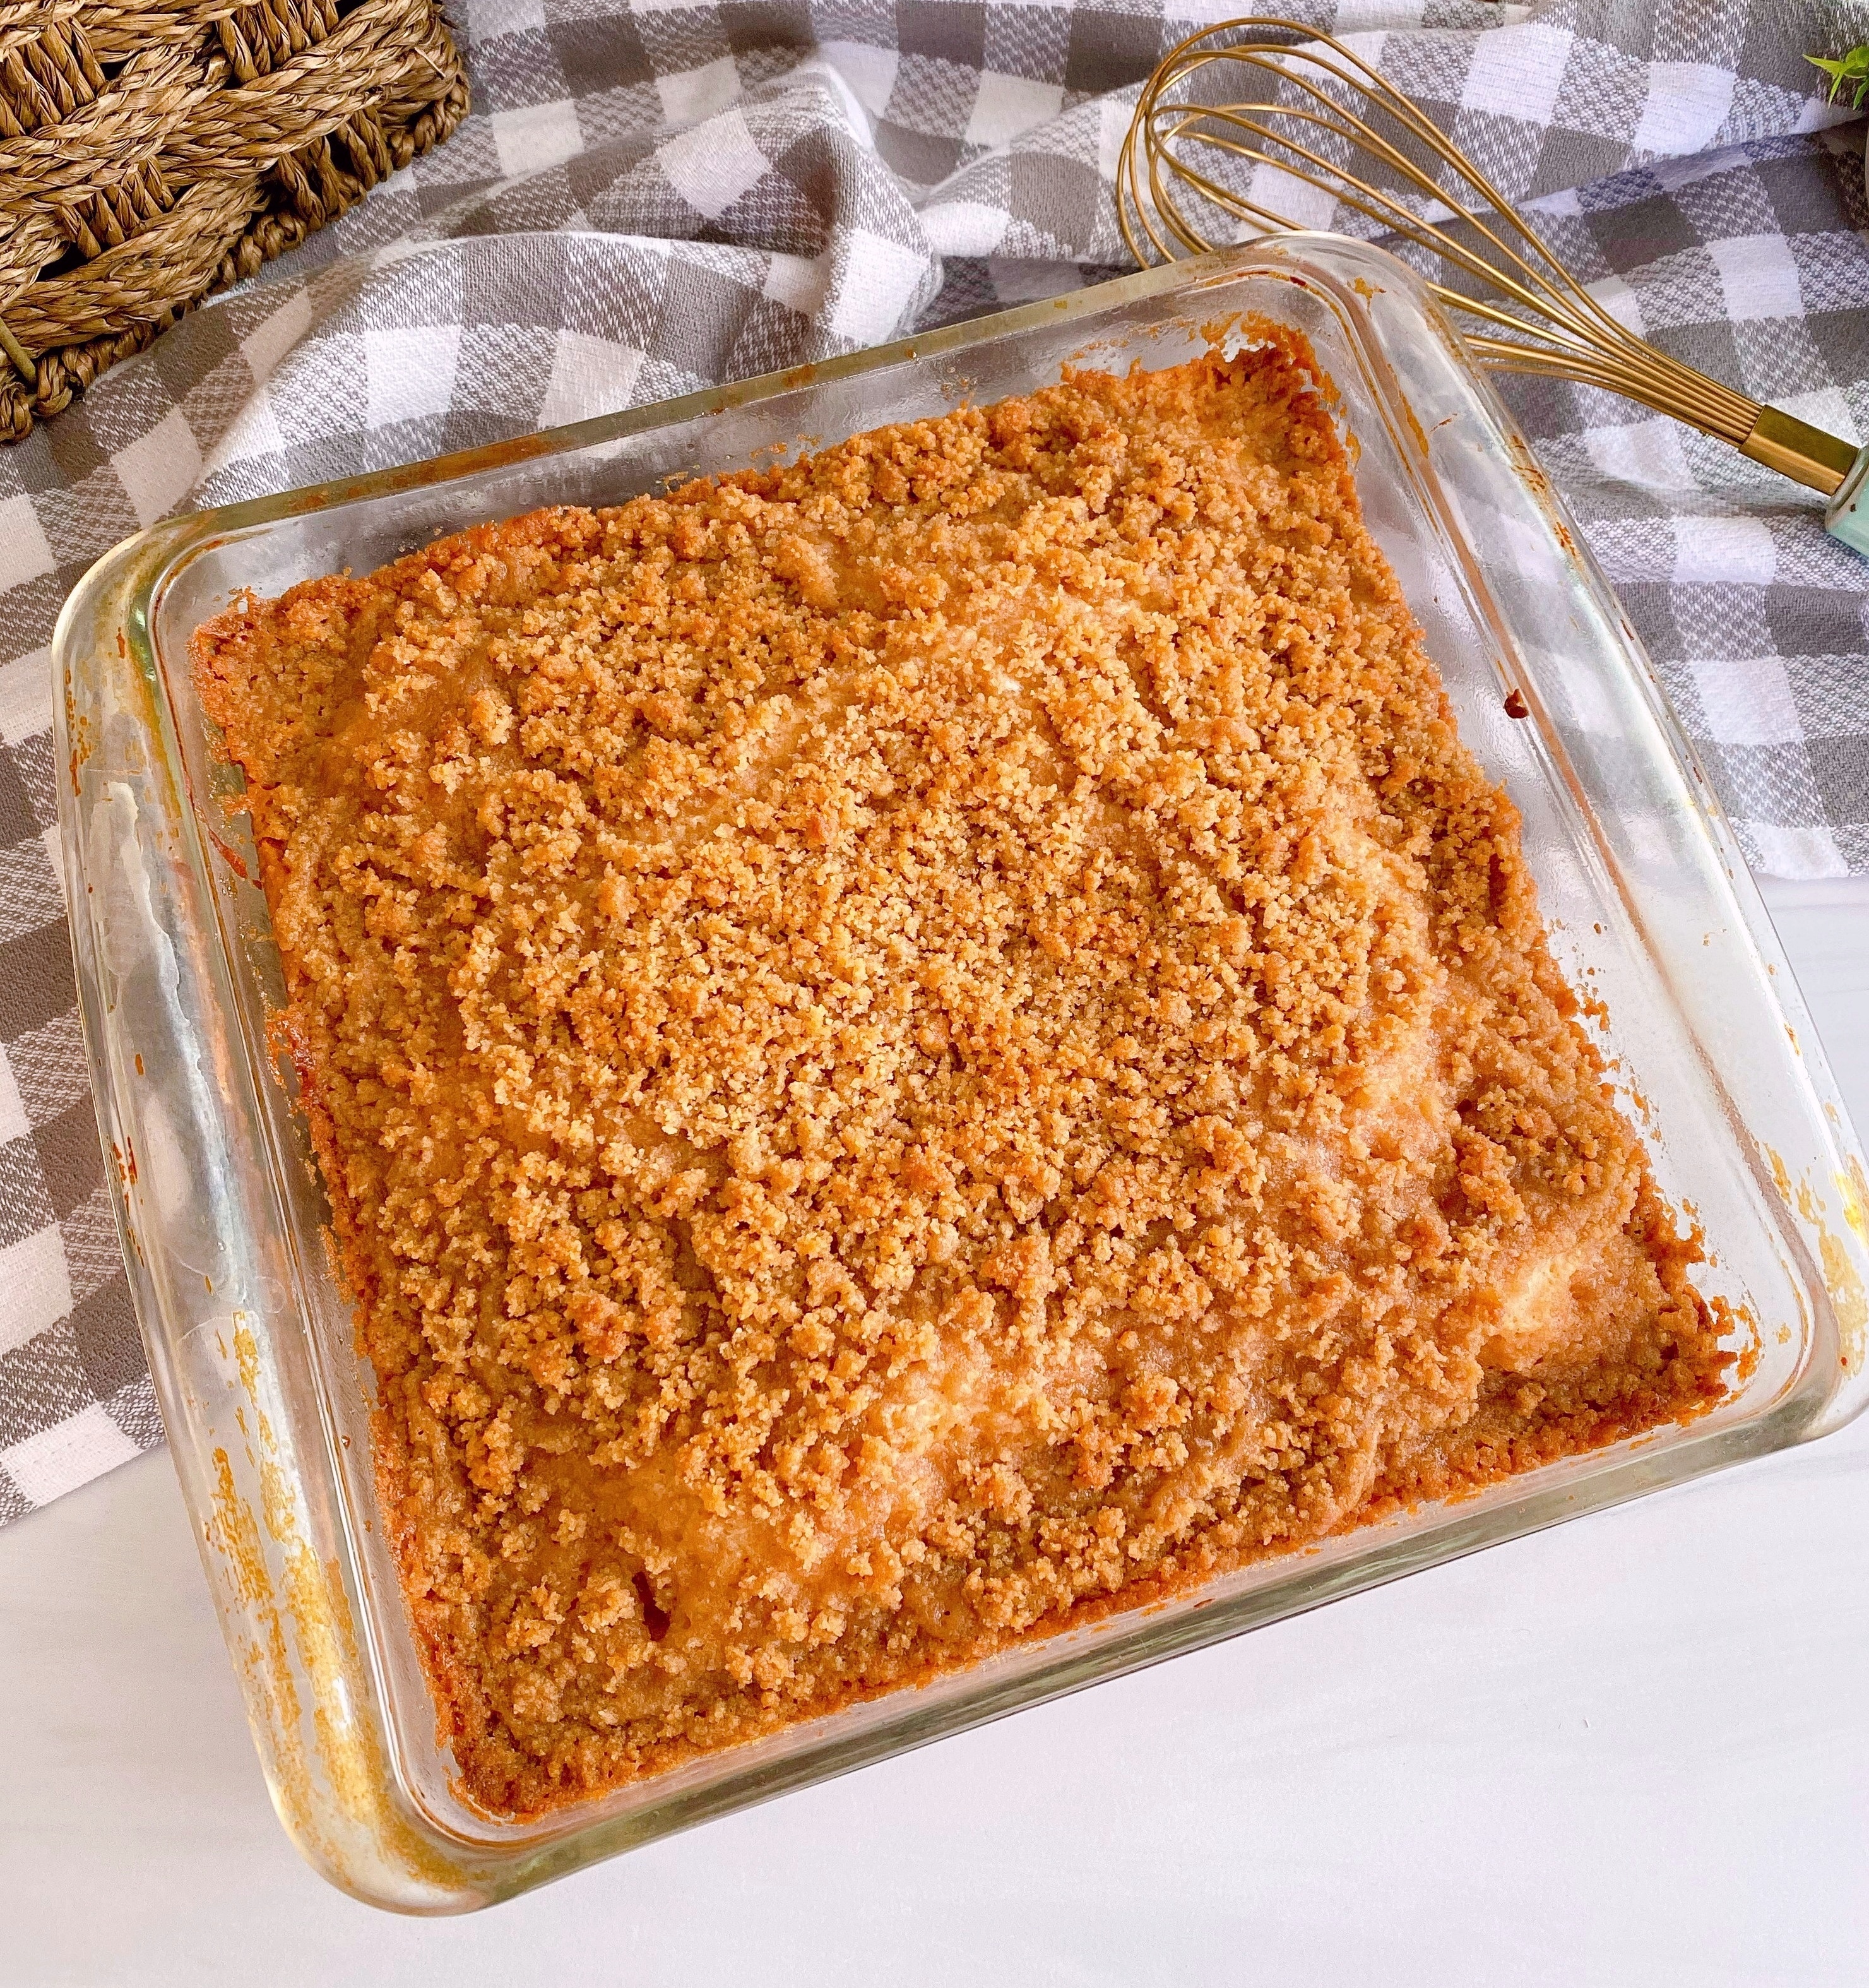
<point x="652" y="195"/>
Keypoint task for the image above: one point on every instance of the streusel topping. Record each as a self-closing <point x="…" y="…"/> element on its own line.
<point x="910" y="1044"/>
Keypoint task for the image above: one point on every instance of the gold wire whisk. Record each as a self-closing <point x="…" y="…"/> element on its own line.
<point x="1288" y="98"/>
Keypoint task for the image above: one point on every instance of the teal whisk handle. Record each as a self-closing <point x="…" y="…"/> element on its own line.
<point x="1848" y="518"/>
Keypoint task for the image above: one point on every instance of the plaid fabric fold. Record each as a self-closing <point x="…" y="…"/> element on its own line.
<point x="649" y="198"/>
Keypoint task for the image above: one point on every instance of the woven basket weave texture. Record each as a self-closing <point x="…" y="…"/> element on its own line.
<point x="153" y="152"/>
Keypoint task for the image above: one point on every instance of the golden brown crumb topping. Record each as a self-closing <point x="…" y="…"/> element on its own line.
<point x="908" y="1043"/>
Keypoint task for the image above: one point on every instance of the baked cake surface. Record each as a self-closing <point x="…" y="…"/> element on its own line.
<point x="910" y="1044"/>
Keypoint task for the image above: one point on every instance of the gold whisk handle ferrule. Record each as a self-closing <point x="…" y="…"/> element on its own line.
<point x="1795" y="449"/>
<point x="1822" y="462"/>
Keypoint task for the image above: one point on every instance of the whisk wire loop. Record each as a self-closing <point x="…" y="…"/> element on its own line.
<point x="1314" y="106"/>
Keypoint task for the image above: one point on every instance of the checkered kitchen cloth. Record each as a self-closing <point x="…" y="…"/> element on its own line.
<point x="651" y="195"/>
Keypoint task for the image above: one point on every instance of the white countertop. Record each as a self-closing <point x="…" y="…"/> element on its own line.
<point x="1634" y="1750"/>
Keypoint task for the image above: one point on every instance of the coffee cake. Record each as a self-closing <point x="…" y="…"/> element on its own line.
<point x="913" y="1045"/>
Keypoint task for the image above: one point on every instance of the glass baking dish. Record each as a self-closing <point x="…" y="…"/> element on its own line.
<point x="266" y="1399"/>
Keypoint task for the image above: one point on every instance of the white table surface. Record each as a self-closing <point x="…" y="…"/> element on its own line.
<point x="1634" y="1750"/>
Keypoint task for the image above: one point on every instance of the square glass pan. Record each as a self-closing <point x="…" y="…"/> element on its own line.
<point x="250" y="1335"/>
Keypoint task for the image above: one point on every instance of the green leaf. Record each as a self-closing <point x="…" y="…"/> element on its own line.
<point x="1852" y="68"/>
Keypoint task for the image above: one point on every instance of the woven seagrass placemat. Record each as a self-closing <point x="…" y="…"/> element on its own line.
<point x="152" y="153"/>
